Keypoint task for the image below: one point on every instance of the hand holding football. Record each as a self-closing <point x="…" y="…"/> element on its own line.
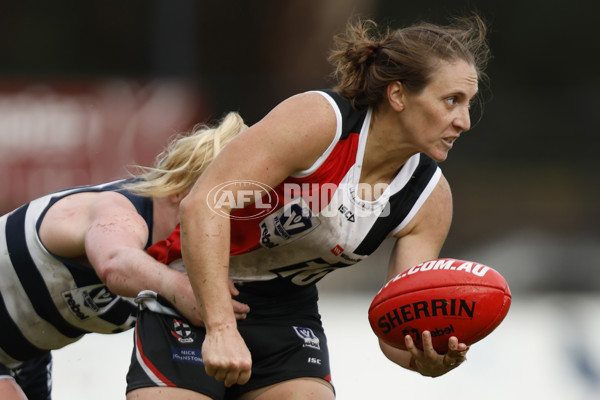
<point x="446" y="297"/>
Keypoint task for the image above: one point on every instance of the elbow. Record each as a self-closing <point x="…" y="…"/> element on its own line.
<point x="185" y="205"/>
<point x="188" y="207"/>
<point x="109" y="271"/>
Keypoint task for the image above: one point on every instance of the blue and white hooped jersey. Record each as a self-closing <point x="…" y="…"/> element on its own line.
<point x="317" y="220"/>
<point x="47" y="302"/>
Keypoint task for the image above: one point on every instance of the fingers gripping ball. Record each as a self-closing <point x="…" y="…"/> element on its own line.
<point x="446" y="297"/>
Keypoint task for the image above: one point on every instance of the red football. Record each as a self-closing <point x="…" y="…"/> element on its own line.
<point x="445" y="296"/>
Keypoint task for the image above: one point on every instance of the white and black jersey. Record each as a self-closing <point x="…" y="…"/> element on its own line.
<point x="317" y="220"/>
<point x="47" y="302"/>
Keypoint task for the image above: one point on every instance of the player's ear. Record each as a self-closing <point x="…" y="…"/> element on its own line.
<point x="396" y="95"/>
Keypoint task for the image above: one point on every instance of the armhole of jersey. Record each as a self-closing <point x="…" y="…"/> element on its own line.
<point x="338" y="134"/>
<point x="419" y="203"/>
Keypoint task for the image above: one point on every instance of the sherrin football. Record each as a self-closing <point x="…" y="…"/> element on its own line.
<point x="445" y="296"/>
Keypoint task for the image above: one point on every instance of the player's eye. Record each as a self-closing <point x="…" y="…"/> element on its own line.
<point x="452" y="100"/>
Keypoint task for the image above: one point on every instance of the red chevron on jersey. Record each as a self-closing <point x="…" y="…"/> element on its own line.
<point x="244" y="235"/>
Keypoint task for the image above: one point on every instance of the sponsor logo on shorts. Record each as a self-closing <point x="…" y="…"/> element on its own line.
<point x="191" y="356"/>
<point x="306" y="334"/>
<point x="182" y="331"/>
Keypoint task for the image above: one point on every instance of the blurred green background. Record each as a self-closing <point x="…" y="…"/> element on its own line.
<point x="524" y="179"/>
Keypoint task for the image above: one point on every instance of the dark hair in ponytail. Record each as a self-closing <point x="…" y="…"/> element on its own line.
<point x="366" y="59"/>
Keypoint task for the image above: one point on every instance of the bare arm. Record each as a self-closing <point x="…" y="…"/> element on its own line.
<point x="105" y="230"/>
<point x="420" y="241"/>
<point x="288" y="139"/>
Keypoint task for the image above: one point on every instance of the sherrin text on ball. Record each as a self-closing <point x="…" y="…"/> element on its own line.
<point x="446" y="297"/>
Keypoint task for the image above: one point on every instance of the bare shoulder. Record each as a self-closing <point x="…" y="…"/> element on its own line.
<point x="306" y="104"/>
<point x="110" y="199"/>
<point x="86" y="203"/>
<point x="292" y="136"/>
<point x="442" y="194"/>
<point x="67" y="222"/>
<point x="308" y="113"/>
<point x="436" y="213"/>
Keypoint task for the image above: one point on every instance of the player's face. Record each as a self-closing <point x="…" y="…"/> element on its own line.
<point x="440" y="112"/>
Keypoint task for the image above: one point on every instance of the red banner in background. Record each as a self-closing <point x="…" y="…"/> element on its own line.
<point x="61" y="134"/>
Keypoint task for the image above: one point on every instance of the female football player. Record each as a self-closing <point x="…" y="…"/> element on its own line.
<point x="71" y="261"/>
<point x="313" y="187"/>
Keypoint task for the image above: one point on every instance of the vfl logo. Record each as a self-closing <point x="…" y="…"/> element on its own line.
<point x="182" y="331"/>
<point x="90" y="301"/>
<point x="240" y="194"/>
<point x="294" y="220"/>
<point x="290" y="223"/>
<point x="306" y="334"/>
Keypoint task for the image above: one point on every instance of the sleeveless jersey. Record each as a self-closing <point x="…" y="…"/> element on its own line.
<point x="47" y="302"/>
<point x="317" y="221"/>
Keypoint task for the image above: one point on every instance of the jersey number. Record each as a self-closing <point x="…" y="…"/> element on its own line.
<point x="308" y="272"/>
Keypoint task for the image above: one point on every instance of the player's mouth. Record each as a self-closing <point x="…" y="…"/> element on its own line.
<point x="449" y="141"/>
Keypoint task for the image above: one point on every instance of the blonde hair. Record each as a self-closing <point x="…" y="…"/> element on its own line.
<point x="179" y="165"/>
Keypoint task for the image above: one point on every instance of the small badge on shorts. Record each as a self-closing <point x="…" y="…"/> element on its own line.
<point x="182" y="331"/>
<point x="310" y="340"/>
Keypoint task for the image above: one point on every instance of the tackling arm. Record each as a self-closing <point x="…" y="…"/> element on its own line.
<point x="105" y="231"/>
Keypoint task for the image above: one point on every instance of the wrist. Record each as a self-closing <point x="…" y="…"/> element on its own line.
<point x="220" y="325"/>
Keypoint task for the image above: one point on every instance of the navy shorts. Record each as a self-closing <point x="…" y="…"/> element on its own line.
<point x="33" y="376"/>
<point x="284" y="335"/>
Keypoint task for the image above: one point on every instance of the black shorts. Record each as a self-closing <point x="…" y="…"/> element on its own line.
<point x="284" y="336"/>
<point x="33" y="376"/>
